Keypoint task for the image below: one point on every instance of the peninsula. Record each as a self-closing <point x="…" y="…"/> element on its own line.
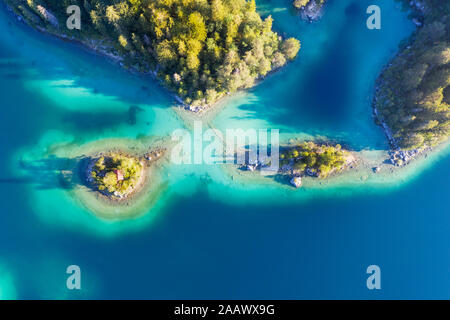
<point x="200" y="50"/>
<point x="412" y="95"/>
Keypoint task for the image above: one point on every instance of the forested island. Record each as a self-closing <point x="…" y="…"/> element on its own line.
<point x="318" y="160"/>
<point x="412" y="95"/>
<point x="199" y="49"/>
<point x="115" y="175"/>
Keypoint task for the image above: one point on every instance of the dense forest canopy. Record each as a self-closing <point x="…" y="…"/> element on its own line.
<point x="201" y="49"/>
<point x="315" y="159"/>
<point x="413" y="97"/>
<point x="116" y="174"/>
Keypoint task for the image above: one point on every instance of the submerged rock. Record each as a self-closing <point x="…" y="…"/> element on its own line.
<point x="403" y="157"/>
<point x="417" y="22"/>
<point x="312" y="11"/>
<point x="418" y="5"/>
<point x="132" y="114"/>
<point x="311" y="172"/>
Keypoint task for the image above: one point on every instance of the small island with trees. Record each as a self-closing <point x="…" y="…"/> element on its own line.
<point x="119" y="175"/>
<point x="116" y="175"/>
<point x="317" y="160"/>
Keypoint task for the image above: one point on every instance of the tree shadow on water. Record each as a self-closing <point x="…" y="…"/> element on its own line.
<point x="52" y="173"/>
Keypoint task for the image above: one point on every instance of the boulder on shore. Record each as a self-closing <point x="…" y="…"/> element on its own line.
<point x="312" y="11"/>
<point x="296" y="182"/>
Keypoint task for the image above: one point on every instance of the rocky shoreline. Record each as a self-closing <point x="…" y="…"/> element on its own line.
<point x="313" y="11"/>
<point x="294" y="175"/>
<point x="397" y="156"/>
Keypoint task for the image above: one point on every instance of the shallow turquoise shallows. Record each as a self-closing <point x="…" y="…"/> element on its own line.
<point x="208" y="236"/>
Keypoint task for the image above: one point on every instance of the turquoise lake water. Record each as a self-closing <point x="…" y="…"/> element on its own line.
<point x="209" y="237"/>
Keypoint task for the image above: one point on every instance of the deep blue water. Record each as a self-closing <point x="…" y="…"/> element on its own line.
<point x="202" y="248"/>
<point x="319" y="250"/>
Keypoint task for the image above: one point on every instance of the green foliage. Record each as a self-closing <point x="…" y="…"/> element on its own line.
<point x="414" y="91"/>
<point x="320" y="160"/>
<point x="116" y="174"/>
<point x="290" y="48"/>
<point x="200" y="49"/>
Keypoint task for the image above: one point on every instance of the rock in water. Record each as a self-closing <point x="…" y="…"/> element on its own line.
<point x="312" y="11"/>
<point x="417" y="22"/>
<point x="296" y="182"/>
